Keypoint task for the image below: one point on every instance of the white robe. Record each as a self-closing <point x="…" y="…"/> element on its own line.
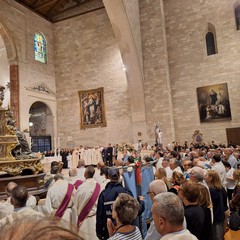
<point x="96" y="156"/>
<point x="54" y="198"/>
<point x="88" y="157"/>
<point x="75" y="158"/>
<point x="81" y="172"/>
<point x="7" y="208"/>
<point x="20" y="214"/>
<point x="84" y="192"/>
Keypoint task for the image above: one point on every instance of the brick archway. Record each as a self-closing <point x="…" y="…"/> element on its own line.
<point x="13" y="67"/>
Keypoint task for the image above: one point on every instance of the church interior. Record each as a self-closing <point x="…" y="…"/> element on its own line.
<point x="95" y="72"/>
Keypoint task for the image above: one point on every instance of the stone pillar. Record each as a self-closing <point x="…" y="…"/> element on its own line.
<point x="14" y="92"/>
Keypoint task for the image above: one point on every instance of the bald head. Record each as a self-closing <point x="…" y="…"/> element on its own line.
<point x="10" y="186"/>
<point x="100" y="164"/>
<point x="81" y="163"/>
<point x="72" y="172"/>
<point x="119" y="163"/>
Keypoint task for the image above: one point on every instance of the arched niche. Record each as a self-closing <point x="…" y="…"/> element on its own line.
<point x="41" y="127"/>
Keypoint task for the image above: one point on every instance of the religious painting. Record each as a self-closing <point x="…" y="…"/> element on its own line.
<point x="213" y="103"/>
<point x="92" y="111"/>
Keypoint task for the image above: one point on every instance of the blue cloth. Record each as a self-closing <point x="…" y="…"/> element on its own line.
<point x="130" y="181"/>
<point x="147" y="177"/>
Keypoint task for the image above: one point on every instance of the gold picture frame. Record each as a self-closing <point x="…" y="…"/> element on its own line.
<point x="92" y="109"/>
<point x="213" y="103"/>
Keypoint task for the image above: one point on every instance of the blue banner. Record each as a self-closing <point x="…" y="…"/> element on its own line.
<point x="147" y="177"/>
<point x="130" y="181"/>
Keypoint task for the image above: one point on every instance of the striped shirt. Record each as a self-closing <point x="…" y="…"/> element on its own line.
<point x="133" y="235"/>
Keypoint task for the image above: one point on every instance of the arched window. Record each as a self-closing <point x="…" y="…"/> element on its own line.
<point x="40" y="52"/>
<point x="210" y="39"/>
<point x="237" y="16"/>
<point x="210" y="43"/>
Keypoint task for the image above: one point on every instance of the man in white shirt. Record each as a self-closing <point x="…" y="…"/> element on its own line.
<point x="19" y="197"/>
<point x="168" y="217"/>
<point x="6" y="207"/>
<point x="155" y="187"/>
<point x="218" y="166"/>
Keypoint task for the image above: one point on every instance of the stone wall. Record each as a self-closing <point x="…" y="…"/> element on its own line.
<point x="22" y="25"/>
<point x="190" y="67"/>
<point x="157" y="89"/>
<point x="87" y="57"/>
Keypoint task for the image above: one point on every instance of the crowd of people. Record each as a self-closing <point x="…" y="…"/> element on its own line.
<point x="196" y="189"/>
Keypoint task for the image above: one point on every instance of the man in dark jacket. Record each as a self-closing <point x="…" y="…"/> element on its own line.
<point x="109" y="155"/>
<point x="105" y="201"/>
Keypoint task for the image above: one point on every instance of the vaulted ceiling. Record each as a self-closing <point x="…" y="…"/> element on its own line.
<point x="58" y="10"/>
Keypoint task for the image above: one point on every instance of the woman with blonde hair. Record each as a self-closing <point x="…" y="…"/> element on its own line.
<point x="219" y="200"/>
<point x="177" y="179"/>
<point x="205" y="202"/>
<point x="235" y="202"/>
<point x="162" y="175"/>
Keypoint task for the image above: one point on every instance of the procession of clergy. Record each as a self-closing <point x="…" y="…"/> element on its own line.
<point x="80" y="195"/>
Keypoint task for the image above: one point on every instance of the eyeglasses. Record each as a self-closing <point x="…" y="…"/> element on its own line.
<point x="148" y="193"/>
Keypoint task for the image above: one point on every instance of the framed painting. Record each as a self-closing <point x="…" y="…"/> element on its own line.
<point x="92" y="110"/>
<point x="213" y="103"/>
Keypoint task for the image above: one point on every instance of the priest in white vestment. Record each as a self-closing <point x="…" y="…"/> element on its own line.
<point x="88" y="156"/>
<point x="55" y="197"/>
<point x="96" y="156"/>
<point x="81" y="169"/>
<point x="75" y="157"/>
<point x="83" y="194"/>
<point x="18" y="200"/>
<point x="6" y="207"/>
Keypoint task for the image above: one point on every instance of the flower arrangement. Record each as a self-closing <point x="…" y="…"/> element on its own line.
<point x="127" y="146"/>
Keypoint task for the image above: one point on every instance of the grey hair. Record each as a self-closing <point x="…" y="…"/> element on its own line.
<point x="169" y="206"/>
<point x="72" y="172"/>
<point x="158" y="186"/>
<point x="198" y="173"/>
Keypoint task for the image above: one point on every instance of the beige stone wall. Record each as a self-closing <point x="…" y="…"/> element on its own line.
<point x="84" y="54"/>
<point x="87" y="57"/>
<point x="156" y="75"/>
<point x="22" y="25"/>
<point x="190" y="67"/>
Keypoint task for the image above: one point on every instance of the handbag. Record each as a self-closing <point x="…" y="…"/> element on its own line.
<point x="234" y="221"/>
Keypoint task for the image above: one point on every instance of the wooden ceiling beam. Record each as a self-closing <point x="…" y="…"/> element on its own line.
<point x="35" y="3"/>
<point x="44" y="5"/>
<point x="54" y="6"/>
<point x="50" y="16"/>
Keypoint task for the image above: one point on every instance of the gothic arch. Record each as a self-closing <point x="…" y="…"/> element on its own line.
<point x="8" y="41"/>
<point x="128" y="49"/>
<point x="13" y="66"/>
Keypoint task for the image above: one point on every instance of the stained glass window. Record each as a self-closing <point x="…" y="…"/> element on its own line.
<point x="40" y="48"/>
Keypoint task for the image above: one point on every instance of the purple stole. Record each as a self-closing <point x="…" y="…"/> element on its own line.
<point x="91" y="201"/>
<point x="65" y="201"/>
<point x="77" y="183"/>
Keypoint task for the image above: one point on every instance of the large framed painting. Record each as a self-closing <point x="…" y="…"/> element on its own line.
<point x="213" y="103"/>
<point x="92" y="110"/>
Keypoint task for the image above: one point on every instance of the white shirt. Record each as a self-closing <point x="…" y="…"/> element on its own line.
<point x="219" y="167"/>
<point x="180" y="235"/>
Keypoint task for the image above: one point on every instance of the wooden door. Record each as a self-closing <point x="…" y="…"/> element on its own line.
<point x="233" y="135"/>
